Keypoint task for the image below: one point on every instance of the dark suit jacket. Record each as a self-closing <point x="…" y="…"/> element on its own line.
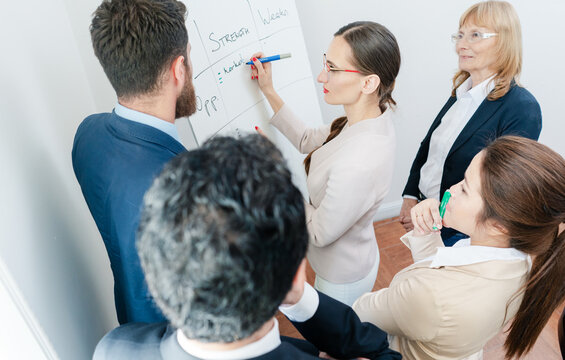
<point x="334" y="328"/>
<point x="516" y="113"/>
<point x="115" y="161"/>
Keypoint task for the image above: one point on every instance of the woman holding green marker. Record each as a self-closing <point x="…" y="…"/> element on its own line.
<point x="452" y="300"/>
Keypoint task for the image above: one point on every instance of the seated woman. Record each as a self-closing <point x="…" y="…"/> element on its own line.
<point x="452" y="300"/>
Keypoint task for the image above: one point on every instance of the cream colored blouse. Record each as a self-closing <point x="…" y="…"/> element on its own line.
<point x="450" y="302"/>
<point x="349" y="177"/>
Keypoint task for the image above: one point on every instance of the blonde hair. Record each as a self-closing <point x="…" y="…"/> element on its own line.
<point x="501" y="17"/>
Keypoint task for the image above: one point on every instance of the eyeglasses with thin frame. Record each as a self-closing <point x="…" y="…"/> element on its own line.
<point x="327" y="68"/>
<point x="471" y="37"/>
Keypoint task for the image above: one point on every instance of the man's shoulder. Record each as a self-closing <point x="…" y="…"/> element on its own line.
<point x="286" y="351"/>
<point x="92" y="127"/>
<point x="133" y="340"/>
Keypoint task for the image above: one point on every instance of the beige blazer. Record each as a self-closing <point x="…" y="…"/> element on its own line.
<point x="447" y="312"/>
<point x="348" y="179"/>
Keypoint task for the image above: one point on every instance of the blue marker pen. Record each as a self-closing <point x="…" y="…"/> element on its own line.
<point x="270" y="58"/>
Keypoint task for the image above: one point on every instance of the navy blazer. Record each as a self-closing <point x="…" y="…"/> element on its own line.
<point x="516" y="113"/>
<point x="334" y="328"/>
<point x="115" y="161"/>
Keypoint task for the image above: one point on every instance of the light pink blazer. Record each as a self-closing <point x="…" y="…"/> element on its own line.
<point x="349" y="177"/>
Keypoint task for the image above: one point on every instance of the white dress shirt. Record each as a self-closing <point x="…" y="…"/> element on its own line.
<point x="463" y="253"/>
<point x="266" y="344"/>
<point x="146" y="119"/>
<point x="444" y="136"/>
<point x="303" y="310"/>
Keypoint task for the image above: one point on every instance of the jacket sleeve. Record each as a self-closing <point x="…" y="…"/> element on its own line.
<point x="337" y="330"/>
<point x="522" y="118"/>
<point x="303" y="138"/>
<point x="422" y="246"/>
<point x="408" y="308"/>
<point x="351" y="190"/>
<point x="413" y="181"/>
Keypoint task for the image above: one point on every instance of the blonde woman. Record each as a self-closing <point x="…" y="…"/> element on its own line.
<point x="486" y="102"/>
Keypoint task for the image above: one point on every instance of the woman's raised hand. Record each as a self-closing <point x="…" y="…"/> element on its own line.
<point x="264" y="76"/>
<point x="262" y="72"/>
<point x="425" y="216"/>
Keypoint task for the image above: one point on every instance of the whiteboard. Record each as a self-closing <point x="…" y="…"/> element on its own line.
<point x="223" y="35"/>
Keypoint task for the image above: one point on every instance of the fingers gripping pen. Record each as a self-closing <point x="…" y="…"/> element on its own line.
<point x="443" y="204"/>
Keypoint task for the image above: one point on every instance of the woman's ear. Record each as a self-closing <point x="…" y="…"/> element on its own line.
<point x="496" y="228"/>
<point x="370" y="84"/>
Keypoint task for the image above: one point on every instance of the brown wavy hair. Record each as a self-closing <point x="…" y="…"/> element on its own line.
<point x="501" y="17"/>
<point x="523" y="189"/>
<point x="136" y="41"/>
<point x="375" y="51"/>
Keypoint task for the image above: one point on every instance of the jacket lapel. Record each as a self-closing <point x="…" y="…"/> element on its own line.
<point x="485" y="111"/>
<point x="439" y="117"/>
<point x="149" y="134"/>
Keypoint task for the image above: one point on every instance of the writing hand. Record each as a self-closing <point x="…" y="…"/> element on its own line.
<point x="262" y="72"/>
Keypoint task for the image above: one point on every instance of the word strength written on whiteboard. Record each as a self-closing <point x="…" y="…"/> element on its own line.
<point x="227" y="38"/>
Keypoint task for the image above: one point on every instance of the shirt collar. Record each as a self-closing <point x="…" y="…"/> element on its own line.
<point x="463" y="253"/>
<point x="266" y="344"/>
<point x="477" y="93"/>
<point x="149" y="120"/>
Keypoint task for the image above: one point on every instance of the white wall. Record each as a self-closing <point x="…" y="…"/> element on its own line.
<point x="51" y="81"/>
<point x="423" y="30"/>
<point x="48" y="240"/>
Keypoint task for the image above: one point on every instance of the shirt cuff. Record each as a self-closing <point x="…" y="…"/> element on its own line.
<point x="305" y="308"/>
<point x="409" y="197"/>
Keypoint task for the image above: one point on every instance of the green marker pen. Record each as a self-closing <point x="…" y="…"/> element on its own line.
<point x="444" y="200"/>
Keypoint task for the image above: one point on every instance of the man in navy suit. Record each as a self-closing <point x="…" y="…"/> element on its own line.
<point x="222" y="241"/>
<point x="143" y="48"/>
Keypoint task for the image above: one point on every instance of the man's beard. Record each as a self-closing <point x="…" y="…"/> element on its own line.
<point x="186" y="102"/>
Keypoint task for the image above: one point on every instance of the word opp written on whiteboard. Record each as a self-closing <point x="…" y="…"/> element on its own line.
<point x="224" y="34"/>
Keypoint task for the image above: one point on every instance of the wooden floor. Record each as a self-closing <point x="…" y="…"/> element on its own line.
<point x="395" y="256"/>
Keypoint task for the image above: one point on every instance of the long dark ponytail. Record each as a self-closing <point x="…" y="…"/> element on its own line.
<point x="375" y="51"/>
<point x="523" y="188"/>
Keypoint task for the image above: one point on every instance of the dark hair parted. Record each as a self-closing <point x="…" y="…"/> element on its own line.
<point x="221" y="237"/>
<point x="137" y="40"/>
<point x="523" y="189"/>
<point x="375" y="51"/>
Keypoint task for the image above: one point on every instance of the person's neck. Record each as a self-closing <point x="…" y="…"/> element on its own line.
<point x="217" y="346"/>
<point x="361" y="111"/>
<point x="493" y="240"/>
<point x="160" y="106"/>
<point x="478" y="77"/>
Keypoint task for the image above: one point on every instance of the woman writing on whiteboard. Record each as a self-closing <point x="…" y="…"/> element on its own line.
<point x="350" y="162"/>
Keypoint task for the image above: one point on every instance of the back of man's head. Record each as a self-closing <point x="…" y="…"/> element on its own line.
<point x="221" y="237"/>
<point x="137" y="40"/>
